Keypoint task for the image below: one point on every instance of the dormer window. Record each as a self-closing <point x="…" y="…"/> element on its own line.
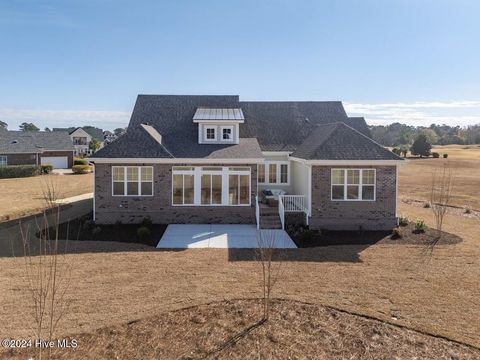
<point x="218" y="126"/>
<point x="227" y="133"/>
<point x="210" y="133"/>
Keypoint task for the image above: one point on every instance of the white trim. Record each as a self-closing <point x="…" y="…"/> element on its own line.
<point x="276" y="153"/>
<point x="95" y="191"/>
<point x="349" y="162"/>
<point x="205" y="130"/>
<point x="396" y="193"/>
<point x="177" y="161"/>
<point x="227" y="127"/>
<point x="139" y="181"/>
<point x="278" y="164"/>
<point x="309" y="189"/>
<point x="197" y="188"/>
<point x="360" y="185"/>
<point x="236" y="121"/>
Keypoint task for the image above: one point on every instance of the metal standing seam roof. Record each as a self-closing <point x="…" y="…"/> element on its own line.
<point x="204" y="114"/>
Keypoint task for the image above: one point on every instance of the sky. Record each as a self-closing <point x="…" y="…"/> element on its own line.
<point x="66" y="62"/>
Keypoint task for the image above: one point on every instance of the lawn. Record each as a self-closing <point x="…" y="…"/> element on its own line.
<point x="24" y="196"/>
<point x="400" y="284"/>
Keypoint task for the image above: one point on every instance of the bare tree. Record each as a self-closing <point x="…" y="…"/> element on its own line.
<point x="440" y="195"/>
<point x="47" y="270"/>
<point x="271" y="268"/>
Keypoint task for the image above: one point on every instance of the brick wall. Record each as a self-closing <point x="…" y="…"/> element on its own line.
<point x="21" y="159"/>
<point x="351" y="215"/>
<point x="128" y="209"/>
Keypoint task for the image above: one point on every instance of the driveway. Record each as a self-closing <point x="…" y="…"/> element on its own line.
<point x="218" y="236"/>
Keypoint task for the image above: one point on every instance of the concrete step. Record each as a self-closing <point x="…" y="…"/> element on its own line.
<point x="270" y="222"/>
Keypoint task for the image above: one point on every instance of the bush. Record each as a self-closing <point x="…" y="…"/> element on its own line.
<point x="143" y="233"/>
<point x="403" y="221"/>
<point x="18" y="171"/>
<point x="396" y="234"/>
<point x="147" y="222"/>
<point x="445" y="156"/>
<point x="308" y="235"/>
<point x="81" y="169"/>
<point x="420" y="226"/>
<point x="435" y="155"/>
<point x="46" y="169"/>
<point x="427" y="205"/>
<point x="468" y="211"/>
<point x="78" y="161"/>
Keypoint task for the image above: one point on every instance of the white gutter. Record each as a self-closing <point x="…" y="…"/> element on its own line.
<point x="349" y="162"/>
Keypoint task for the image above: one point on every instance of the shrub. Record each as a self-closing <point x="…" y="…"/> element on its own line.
<point x="143" y="233"/>
<point x="46" y="169"/>
<point x="420" y="226"/>
<point x="468" y="211"/>
<point x="445" y="156"/>
<point x="18" y="171"/>
<point x="96" y="230"/>
<point x="435" y="155"/>
<point x="403" y="221"/>
<point x="78" y="161"/>
<point x="81" y="169"/>
<point x="308" y="235"/>
<point x="427" y="205"/>
<point x="396" y="234"/>
<point x="147" y="222"/>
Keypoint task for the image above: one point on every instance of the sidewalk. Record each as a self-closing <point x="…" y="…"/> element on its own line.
<point x="74" y="199"/>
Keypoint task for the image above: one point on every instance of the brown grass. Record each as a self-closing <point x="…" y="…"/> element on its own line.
<point x="416" y="177"/>
<point x="24" y="196"/>
<point x="231" y="330"/>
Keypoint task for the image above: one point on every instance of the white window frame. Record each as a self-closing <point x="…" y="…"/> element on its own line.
<point x="139" y="181"/>
<point x="278" y="173"/>
<point x="224" y="171"/>
<point x="3" y="160"/>
<point x="229" y="127"/>
<point x="205" y="130"/>
<point x="360" y="184"/>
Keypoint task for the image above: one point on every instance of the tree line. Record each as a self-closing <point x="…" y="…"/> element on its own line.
<point x="399" y="135"/>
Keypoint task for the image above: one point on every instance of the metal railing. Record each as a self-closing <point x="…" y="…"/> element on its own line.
<point x="257" y="212"/>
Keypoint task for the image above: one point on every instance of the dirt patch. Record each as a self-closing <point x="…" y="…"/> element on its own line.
<point x="408" y="235"/>
<point x="295" y="330"/>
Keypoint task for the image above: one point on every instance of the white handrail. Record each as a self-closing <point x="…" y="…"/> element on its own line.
<point x="295" y="203"/>
<point x="281" y="211"/>
<point x="257" y="212"/>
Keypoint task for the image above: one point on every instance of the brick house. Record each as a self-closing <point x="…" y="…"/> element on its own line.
<point x="36" y="148"/>
<point x="216" y="159"/>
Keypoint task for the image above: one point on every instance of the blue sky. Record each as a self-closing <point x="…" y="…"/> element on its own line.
<point x="75" y="62"/>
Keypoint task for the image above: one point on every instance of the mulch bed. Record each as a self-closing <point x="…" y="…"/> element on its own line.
<point x="84" y="229"/>
<point x="233" y="330"/>
<point x="312" y="238"/>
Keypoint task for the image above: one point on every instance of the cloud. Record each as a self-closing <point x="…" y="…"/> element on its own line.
<point x="461" y="113"/>
<point x="64" y="118"/>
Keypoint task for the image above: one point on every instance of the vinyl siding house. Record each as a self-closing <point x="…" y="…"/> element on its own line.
<point x="36" y="148"/>
<point x="216" y="159"/>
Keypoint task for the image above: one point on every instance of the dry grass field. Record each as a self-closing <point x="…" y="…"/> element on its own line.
<point x="416" y="177"/>
<point x="400" y="284"/>
<point x="24" y="196"/>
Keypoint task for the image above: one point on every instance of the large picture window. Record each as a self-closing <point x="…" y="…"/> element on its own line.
<point x="353" y="184"/>
<point x="132" y="181"/>
<point x="273" y="172"/>
<point x="211" y="186"/>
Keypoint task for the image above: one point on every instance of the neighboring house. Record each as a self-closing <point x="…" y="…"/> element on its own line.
<point x="215" y="159"/>
<point x="35" y="148"/>
<point x="108" y="137"/>
<point x="81" y="137"/>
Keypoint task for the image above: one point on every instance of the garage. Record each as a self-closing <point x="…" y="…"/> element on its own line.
<point x="58" y="162"/>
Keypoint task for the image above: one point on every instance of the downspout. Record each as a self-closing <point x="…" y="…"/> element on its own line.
<point x="309" y="192"/>
<point x="94" y="192"/>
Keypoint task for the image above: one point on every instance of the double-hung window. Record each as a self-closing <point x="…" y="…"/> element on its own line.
<point x="183" y="185"/>
<point x="210" y="133"/>
<point x="132" y="180"/>
<point x="227" y="133"/>
<point x="273" y="172"/>
<point x="353" y="184"/>
<point x="3" y="160"/>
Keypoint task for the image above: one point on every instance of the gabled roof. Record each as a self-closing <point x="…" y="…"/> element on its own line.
<point x="94" y="132"/>
<point x="294" y="126"/>
<point x="338" y="141"/>
<point x="34" y="141"/>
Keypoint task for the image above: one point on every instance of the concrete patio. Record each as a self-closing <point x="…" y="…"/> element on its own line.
<point x="183" y="236"/>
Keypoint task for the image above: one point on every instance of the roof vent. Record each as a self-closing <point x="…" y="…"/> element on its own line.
<point x="307" y="120"/>
<point x="15" y="142"/>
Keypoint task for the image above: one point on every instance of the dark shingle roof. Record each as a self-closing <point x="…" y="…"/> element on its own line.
<point x="338" y="141"/>
<point x="94" y="132"/>
<point x="276" y="126"/>
<point x="34" y="142"/>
